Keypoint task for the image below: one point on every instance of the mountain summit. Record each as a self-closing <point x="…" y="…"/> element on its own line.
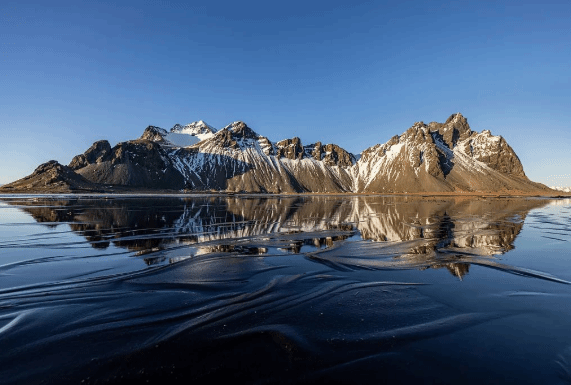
<point x="179" y="135"/>
<point x="441" y="157"/>
<point x="434" y="157"/>
<point x="195" y="128"/>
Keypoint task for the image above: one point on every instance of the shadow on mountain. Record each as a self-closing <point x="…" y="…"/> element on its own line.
<point x="144" y="164"/>
<point x="445" y="158"/>
<point x="205" y="171"/>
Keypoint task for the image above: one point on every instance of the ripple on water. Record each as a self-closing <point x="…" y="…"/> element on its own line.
<point x="273" y="289"/>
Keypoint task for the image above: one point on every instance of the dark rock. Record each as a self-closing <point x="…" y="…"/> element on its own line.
<point x="456" y="128"/>
<point x="266" y="145"/>
<point x="52" y="176"/>
<point x="139" y="163"/>
<point x="317" y="151"/>
<point x="241" y="130"/>
<point x="495" y="153"/>
<point x="336" y="156"/>
<point x="99" y="152"/>
<point x="290" y="148"/>
<point x="154" y="134"/>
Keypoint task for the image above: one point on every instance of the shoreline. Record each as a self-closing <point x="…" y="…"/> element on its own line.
<point x="166" y="193"/>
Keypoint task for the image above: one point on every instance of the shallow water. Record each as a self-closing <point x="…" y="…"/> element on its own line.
<point x="284" y="289"/>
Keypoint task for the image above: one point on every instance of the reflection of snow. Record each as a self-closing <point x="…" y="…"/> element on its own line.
<point x="370" y="232"/>
<point x="560" y="202"/>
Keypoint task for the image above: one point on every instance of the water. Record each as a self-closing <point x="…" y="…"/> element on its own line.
<point x="284" y="289"/>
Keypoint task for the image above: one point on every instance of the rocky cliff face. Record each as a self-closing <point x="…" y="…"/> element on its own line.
<point x="484" y="147"/>
<point x="139" y="163"/>
<point x="154" y="134"/>
<point x="290" y="148"/>
<point x="442" y="157"/>
<point x="434" y="157"/>
<point x="99" y="152"/>
<point x="238" y="159"/>
<point x="52" y="177"/>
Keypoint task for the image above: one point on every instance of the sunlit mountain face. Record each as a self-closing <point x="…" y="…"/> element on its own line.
<point x="426" y="158"/>
<point x="379" y="232"/>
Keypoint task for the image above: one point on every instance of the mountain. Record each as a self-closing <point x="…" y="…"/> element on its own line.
<point x="238" y="159"/>
<point x="441" y="157"/>
<point x="52" y="177"/>
<point x="438" y="157"/>
<point x="138" y="163"/>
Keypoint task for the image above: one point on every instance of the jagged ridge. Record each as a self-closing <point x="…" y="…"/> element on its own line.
<point x="52" y="177"/>
<point x="441" y="157"/>
<point x="438" y="157"/>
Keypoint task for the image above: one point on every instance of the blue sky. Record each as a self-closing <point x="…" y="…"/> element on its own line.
<point x="350" y="73"/>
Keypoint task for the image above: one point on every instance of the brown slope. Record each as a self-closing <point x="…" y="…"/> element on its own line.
<point x="443" y="157"/>
<point x="238" y="159"/>
<point x="138" y="163"/>
<point x="439" y="157"/>
<point x="51" y="177"/>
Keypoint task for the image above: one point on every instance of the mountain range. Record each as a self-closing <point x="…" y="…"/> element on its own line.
<point x="437" y="157"/>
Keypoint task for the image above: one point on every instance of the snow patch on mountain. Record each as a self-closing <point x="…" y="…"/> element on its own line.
<point x="180" y="140"/>
<point x="180" y="136"/>
<point x="190" y="134"/>
<point x="200" y="129"/>
<point x="382" y="164"/>
<point x="437" y="157"/>
<point x="561" y="188"/>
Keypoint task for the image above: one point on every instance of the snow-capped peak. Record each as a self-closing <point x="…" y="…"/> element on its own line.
<point x="561" y="188"/>
<point x="195" y="128"/>
<point x="190" y="134"/>
<point x="179" y="135"/>
<point x="457" y="117"/>
<point x="241" y="129"/>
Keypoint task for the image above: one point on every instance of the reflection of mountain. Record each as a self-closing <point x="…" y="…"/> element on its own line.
<point x="414" y="232"/>
<point x="432" y="232"/>
<point x="487" y="225"/>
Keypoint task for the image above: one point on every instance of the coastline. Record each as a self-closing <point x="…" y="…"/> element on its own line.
<point x="127" y="192"/>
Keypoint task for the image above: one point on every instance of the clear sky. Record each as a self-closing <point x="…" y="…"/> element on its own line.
<point x="346" y="72"/>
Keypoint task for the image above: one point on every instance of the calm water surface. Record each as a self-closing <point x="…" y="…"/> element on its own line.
<point x="284" y="289"/>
